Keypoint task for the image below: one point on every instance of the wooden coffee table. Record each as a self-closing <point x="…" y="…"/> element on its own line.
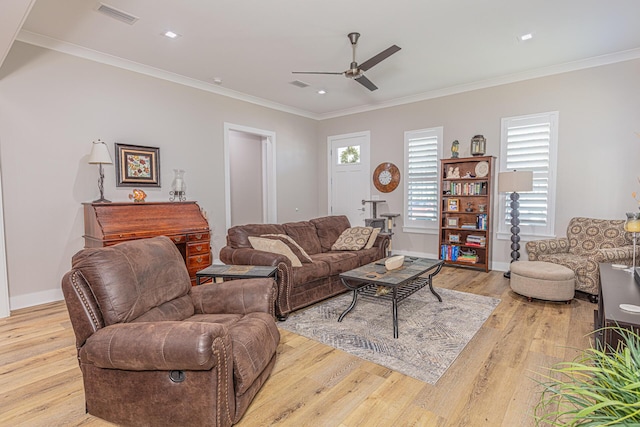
<point x="401" y="282"/>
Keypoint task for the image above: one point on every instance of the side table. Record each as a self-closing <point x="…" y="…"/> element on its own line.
<point x="236" y="272"/>
<point x="617" y="287"/>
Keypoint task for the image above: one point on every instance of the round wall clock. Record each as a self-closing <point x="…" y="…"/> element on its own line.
<point x="386" y="177"/>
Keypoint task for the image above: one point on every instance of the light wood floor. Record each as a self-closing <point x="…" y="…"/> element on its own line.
<point x="490" y="384"/>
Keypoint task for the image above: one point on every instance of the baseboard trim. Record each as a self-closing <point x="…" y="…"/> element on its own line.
<point x="36" y="298"/>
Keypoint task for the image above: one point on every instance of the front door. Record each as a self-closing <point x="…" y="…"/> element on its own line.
<point x="349" y="176"/>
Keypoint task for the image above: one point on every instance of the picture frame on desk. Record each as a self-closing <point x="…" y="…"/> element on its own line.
<point x="137" y="166"/>
<point x="453" y="205"/>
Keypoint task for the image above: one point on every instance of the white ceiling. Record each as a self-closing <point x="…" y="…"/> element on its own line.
<point x="253" y="45"/>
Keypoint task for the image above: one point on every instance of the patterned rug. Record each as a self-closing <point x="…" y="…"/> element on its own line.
<point x="432" y="333"/>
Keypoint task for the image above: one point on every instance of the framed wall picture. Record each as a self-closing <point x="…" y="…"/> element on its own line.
<point x="453" y="222"/>
<point x="453" y="205"/>
<point x="137" y="166"/>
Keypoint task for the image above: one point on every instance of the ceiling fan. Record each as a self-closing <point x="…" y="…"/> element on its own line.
<point x="356" y="71"/>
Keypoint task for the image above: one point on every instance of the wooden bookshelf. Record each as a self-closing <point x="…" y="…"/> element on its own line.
<point x="466" y="187"/>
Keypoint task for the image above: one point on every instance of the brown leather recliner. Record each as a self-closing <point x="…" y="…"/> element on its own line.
<point x="155" y="351"/>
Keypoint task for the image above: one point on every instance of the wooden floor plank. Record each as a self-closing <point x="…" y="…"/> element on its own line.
<point x="489" y="384"/>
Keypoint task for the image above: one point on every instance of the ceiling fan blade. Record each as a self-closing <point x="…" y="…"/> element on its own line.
<point x="379" y="57"/>
<point x="318" y="72"/>
<point x="366" y="82"/>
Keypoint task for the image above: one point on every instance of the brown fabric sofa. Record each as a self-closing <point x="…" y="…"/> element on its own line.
<point x="588" y="242"/>
<point x="313" y="281"/>
<point x="153" y="350"/>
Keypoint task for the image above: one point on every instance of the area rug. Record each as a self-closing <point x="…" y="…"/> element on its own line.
<point x="431" y="333"/>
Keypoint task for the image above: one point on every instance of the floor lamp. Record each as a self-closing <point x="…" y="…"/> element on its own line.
<point x="100" y="155"/>
<point x="513" y="182"/>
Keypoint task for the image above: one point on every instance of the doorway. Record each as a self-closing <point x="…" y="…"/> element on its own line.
<point x="250" y="175"/>
<point x="349" y="173"/>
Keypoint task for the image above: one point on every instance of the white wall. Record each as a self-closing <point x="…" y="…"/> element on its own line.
<point x="52" y="106"/>
<point x="598" y="156"/>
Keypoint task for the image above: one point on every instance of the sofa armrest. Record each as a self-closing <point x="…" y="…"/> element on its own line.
<point x="250" y="256"/>
<point x="614" y="255"/>
<point x="240" y="296"/>
<point x="167" y="345"/>
<point x="535" y="248"/>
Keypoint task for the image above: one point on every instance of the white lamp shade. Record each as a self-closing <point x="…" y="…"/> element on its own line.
<point x="515" y="181"/>
<point x="100" y="153"/>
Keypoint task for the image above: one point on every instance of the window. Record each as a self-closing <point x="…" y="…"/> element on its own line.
<point x="421" y="155"/>
<point x="348" y="155"/>
<point x="530" y="143"/>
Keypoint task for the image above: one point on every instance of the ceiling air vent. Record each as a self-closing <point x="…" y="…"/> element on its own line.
<point x="300" y="83"/>
<point x="117" y="14"/>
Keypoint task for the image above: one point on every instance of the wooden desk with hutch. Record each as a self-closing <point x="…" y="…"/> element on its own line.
<point x="107" y="224"/>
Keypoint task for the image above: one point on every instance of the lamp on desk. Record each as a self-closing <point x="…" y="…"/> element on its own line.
<point x="100" y="156"/>
<point x="513" y="182"/>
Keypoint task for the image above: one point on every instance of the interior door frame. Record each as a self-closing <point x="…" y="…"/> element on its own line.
<point x="367" y="135"/>
<point x="269" y="207"/>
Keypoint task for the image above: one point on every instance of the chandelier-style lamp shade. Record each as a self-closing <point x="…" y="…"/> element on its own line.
<point x="514" y="182"/>
<point x="100" y="156"/>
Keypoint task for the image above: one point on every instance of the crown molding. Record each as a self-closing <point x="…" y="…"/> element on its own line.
<point x="104" y="58"/>
<point x="596" y="61"/>
<point x="93" y="55"/>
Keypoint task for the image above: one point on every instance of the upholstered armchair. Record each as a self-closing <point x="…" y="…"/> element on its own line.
<point x="155" y="351"/>
<point x="588" y="242"/>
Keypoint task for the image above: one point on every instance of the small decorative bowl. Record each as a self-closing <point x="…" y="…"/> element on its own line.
<point x="394" y="262"/>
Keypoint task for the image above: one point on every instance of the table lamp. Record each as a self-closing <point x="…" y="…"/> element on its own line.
<point x="100" y="156"/>
<point x="513" y="182"/>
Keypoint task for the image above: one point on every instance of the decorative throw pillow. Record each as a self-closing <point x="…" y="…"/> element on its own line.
<point x="295" y="248"/>
<point x="352" y="239"/>
<point x="372" y="238"/>
<point x="276" y="247"/>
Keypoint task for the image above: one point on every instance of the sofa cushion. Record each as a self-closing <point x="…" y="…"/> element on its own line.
<point x="329" y="229"/>
<point x="295" y="247"/>
<point x="274" y="246"/>
<point x="238" y="236"/>
<point x="304" y="233"/>
<point x="338" y="262"/>
<point x="352" y="239"/>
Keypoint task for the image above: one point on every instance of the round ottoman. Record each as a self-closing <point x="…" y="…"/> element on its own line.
<point x="542" y="280"/>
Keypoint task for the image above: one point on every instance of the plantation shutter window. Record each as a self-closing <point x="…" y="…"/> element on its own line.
<point x="421" y="179"/>
<point x="529" y="143"/>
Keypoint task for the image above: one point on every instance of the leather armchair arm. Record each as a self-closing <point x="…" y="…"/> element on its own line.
<point x="536" y="248"/>
<point x="151" y="346"/>
<point x="236" y="296"/>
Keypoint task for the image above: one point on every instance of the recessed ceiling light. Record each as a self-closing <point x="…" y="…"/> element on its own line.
<point x="322" y="92"/>
<point x="217" y="80"/>
<point x="526" y="37"/>
<point x="171" y="34"/>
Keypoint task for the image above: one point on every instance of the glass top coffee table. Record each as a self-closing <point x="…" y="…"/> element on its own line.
<point x="374" y="280"/>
